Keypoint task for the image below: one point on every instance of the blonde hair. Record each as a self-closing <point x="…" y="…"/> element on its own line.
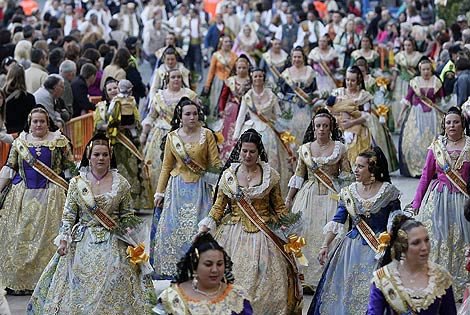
<point x="23" y="50"/>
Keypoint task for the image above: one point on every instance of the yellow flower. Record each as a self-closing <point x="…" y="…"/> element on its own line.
<point x="384" y="240"/>
<point x="137" y="254"/>
<point x="294" y="245"/>
<point x="287" y="137"/>
<point x="382" y="82"/>
<point x="382" y="110"/>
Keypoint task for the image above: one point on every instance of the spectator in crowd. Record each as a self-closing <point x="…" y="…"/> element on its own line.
<point x="68" y="71"/>
<point x="56" y="56"/>
<point x="7" y="48"/>
<point x="116" y="33"/>
<point x="81" y="103"/>
<point x="153" y="39"/>
<point x="37" y="73"/>
<point x="117" y="68"/>
<point x="48" y="96"/>
<point x="23" y="53"/>
<point x="462" y="84"/>
<point x="4" y="68"/>
<point x="92" y="56"/>
<point x="288" y="33"/>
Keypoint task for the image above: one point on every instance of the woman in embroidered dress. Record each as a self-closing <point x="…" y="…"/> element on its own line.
<point x="317" y="198"/>
<point x="441" y="201"/>
<point x="421" y="119"/>
<point x="260" y="110"/>
<point x="204" y="284"/>
<point x="190" y="150"/>
<point x="259" y="265"/>
<point x="366" y="50"/>
<point x="298" y="84"/>
<point x="245" y="43"/>
<point x="273" y="62"/>
<point x="406" y="62"/>
<point x="408" y="282"/>
<point x="158" y="122"/>
<point x="373" y="200"/>
<point x="119" y="114"/>
<point x="379" y="115"/>
<point x="222" y="63"/>
<point x="30" y="214"/>
<point x="324" y="61"/>
<point x="346" y="42"/>
<point x="351" y="104"/>
<point x="229" y="102"/>
<point x="90" y="273"/>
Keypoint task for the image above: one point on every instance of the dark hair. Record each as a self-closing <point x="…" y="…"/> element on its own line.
<point x="378" y="164"/>
<point x="121" y="58"/>
<point x="299" y="49"/>
<point x="336" y="134"/>
<point x="99" y="138"/>
<point x="56" y="56"/>
<point x="37" y="54"/>
<point x="106" y="82"/>
<point x="423" y="60"/>
<point x="187" y="266"/>
<point x="398" y="242"/>
<point x="253" y="70"/>
<point x="462" y="63"/>
<point x="92" y="54"/>
<point x="370" y="41"/>
<point x="360" y="77"/>
<point x="6" y="62"/>
<point x="361" y="61"/>
<point x="412" y="40"/>
<point x="88" y="70"/>
<point x="455" y="110"/>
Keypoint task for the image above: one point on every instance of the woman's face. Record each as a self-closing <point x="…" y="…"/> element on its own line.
<point x="350" y="26"/>
<point x="175" y="80"/>
<point x="351" y="80"/>
<point x="453" y="126"/>
<point x="58" y="90"/>
<point x="323" y="43"/>
<point x="189" y="116"/>
<point x="100" y="158"/>
<point x="170" y="61"/>
<point x="408" y="46"/>
<point x="361" y="170"/>
<point x="210" y="269"/>
<point x="226" y="44"/>
<point x="426" y="70"/>
<point x="257" y="78"/>
<point x="322" y="128"/>
<point x="418" y="245"/>
<point x="365" y="43"/>
<point x="249" y="153"/>
<point x="247" y="30"/>
<point x="112" y="90"/>
<point x="242" y="68"/>
<point x="39" y="124"/>
<point x="297" y="59"/>
<point x="277" y="46"/>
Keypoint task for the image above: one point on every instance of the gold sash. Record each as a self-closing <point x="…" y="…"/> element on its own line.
<point x="319" y="174"/>
<point x="39" y="166"/>
<point x="231" y="183"/>
<point x="364" y="229"/>
<point x="394" y="296"/>
<point x="424" y="99"/>
<point x="324" y="66"/>
<point x="179" y="147"/>
<point x="298" y="91"/>
<point x="451" y="174"/>
<point x="86" y="196"/>
<point x="223" y="61"/>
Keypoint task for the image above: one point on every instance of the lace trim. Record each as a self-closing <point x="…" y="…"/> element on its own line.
<point x="210" y="223"/>
<point x="114" y="185"/>
<point x="334" y="227"/>
<point x="369" y="200"/>
<point x="421" y="299"/>
<point x="385" y="195"/>
<point x="463" y="156"/>
<point x="296" y="182"/>
<point x="58" y="140"/>
<point x="331" y="157"/>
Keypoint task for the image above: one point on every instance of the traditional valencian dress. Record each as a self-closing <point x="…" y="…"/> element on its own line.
<point x="344" y="285"/>
<point x="324" y="65"/>
<point x="159" y="118"/>
<point x="229" y="105"/>
<point x="233" y="301"/>
<point x="95" y="276"/>
<point x="188" y="198"/>
<point x="273" y="67"/>
<point x="319" y="180"/>
<point x="264" y="118"/>
<point x="121" y="121"/>
<point x="421" y="124"/>
<point x="441" y="202"/>
<point x="372" y="58"/>
<point x="388" y="296"/>
<point x="159" y="77"/>
<point x="30" y="216"/>
<point x="406" y="65"/>
<point x="259" y="266"/>
<point x="298" y="93"/>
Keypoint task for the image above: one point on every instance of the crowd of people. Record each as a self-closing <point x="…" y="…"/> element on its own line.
<point x="268" y="175"/>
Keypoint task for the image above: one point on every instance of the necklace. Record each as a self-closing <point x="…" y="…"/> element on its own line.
<point x="454" y="142"/>
<point x="209" y="295"/>
<point x="248" y="176"/>
<point x="323" y="145"/>
<point x="411" y="277"/>
<point x="99" y="178"/>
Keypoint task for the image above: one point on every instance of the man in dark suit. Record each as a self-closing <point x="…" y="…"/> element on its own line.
<point x="81" y="103"/>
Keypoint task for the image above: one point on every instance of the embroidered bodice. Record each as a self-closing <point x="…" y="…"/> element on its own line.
<point x="431" y="89"/>
<point x="306" y="82"/>
<point x="237" y="89"/>
<point x="407" y="64"/>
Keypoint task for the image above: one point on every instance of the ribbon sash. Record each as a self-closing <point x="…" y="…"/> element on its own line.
<point x="297" y="90"/>
<point x="86" y="196"/>
<point x="179" y="147"/>
<point x="249" y="211"/>
<point x="451" y="174"/>
<point x="222" y="60"/>
<point x="39" y="166"/>
<point x="424" y="99"/>
<point x="364" y="229"/>
<point x="396" y="299"/>
<point x="319" y="174"/>
<point x="324" y="66"/>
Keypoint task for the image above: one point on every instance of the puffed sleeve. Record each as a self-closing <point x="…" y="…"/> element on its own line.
<point x="218" y="208"/>
<point x="428" y="173"/>
<point x="9" y="170"/>
<point x="213" y="151"/>
<point x="70" y="214"/>
<point x="336" y="225"/>
<point x="277" y="202"/>
<point x="169" y="161"/>
<point x="377" y="302"/>
<point x="297" y="180"/>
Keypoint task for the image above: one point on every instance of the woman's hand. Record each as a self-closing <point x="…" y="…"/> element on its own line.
<point x="288" y="203"/>
<point x="203" y="229"/>
<point x="159" y="202"/>
<point x="323" y="255"/>
<point x="62" y="249"/>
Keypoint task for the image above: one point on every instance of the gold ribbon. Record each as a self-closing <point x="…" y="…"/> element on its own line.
<point x="137" y="255"/>
<point x="382" y="82"/>
<point x="287" y="137"/>
<point x="384" y="240"/>
<point x="294" y="245"/>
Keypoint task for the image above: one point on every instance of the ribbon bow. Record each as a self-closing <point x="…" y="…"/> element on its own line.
<point x="382" y="111"/>
<point x="137" y="254"/>
<point x="294" y="245"/>
<point x="287" y="137"/>
<point x="382" y="82"/>
<point x="384" y="240"/>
